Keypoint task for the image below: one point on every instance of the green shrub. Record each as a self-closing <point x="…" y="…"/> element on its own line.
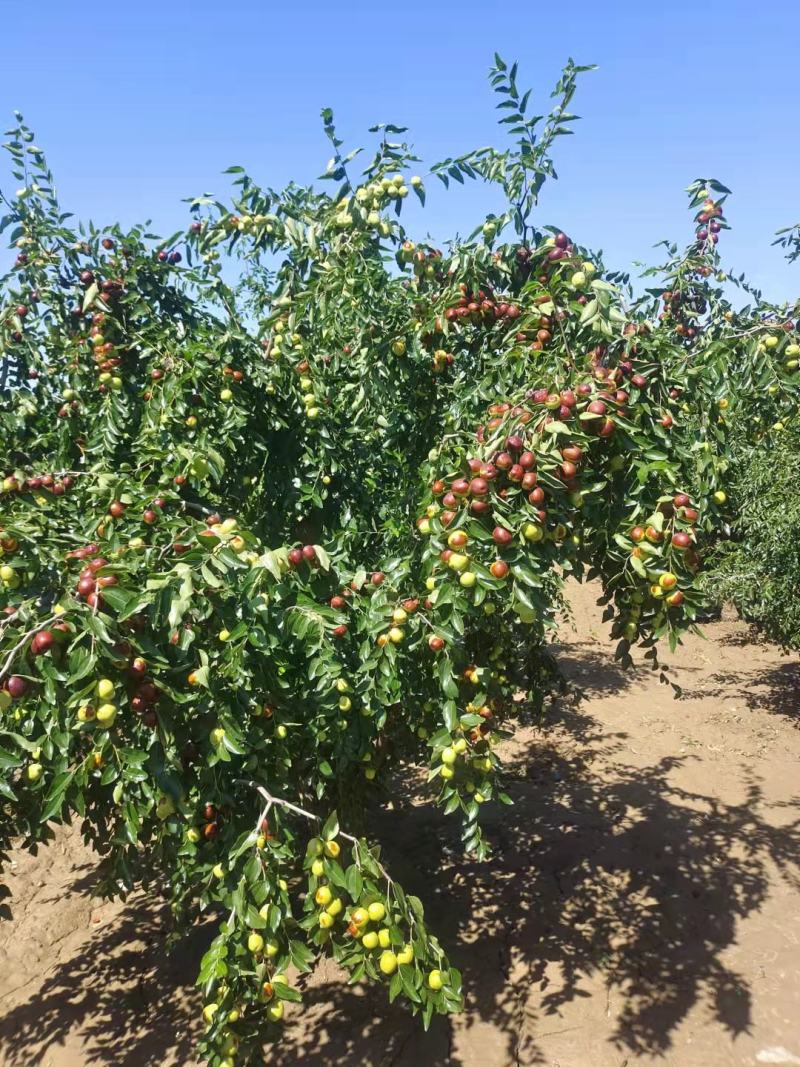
<point x="759" y="568"/>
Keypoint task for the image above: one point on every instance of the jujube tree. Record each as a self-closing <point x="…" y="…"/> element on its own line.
<point x="262" y="539"/>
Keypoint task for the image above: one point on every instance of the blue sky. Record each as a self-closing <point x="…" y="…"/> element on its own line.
<point x="139" y="105"/>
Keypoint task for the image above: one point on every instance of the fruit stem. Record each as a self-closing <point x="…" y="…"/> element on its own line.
<point x="23" y="641"/>
<point x="270" y="799"/>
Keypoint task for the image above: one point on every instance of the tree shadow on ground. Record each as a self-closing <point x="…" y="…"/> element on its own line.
<point x="775" y="689"/>
<point x="133" y="1002"/>
<point x="619" y="875"/>
<point x="593" y="672"/>
<point x="602" y="871"/>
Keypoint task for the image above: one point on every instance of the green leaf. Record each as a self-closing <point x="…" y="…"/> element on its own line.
<point x="9" y="760"/>
<point x="323" y="557"/>
<point x="638" y="566"/>
<point x="330" y="828"/>
<point x="90" y="296"/>
<point x="354" y="883"/>
<point x="301" y="956"/>
<point x="285" y="992"/>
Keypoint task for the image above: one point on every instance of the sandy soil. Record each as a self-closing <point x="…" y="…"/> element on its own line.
<point x="641" y="907"/>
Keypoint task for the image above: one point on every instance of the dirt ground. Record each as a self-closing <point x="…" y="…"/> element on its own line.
<point x="641" y="906"/>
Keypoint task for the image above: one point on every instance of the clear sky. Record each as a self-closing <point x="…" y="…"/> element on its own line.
<point x="140" y="104"/>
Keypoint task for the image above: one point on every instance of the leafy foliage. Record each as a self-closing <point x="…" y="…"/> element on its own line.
<point x="263" y="540"/>
<point x="759" y="567"/>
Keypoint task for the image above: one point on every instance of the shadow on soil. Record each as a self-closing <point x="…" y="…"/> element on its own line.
<point x="133" y="1002"/>
<point x="628" y="876"/>
<point x="776" y="690"/>
<point x="611" y="872"/>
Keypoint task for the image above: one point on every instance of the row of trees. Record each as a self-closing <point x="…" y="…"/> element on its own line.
<point x="262" y="540"/>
